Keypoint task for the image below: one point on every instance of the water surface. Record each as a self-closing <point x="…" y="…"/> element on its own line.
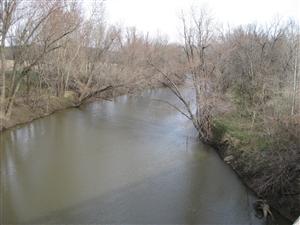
<point x="131" y="161"/>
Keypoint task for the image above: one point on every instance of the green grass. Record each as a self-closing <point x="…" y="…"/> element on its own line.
<point x="239" y="128"/>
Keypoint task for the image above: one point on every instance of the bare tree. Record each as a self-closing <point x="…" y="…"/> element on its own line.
<point x="7" y="11"/>
<point x="33" y="36"/>
<point x="198" y="34"/>
<point x="296" y="71"/>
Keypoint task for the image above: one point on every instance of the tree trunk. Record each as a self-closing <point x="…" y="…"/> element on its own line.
<point x="3" y="70"/>
<point x="295" y="81"/>
<point x="11" y="100"/>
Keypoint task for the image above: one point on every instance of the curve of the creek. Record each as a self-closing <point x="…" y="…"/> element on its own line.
<point x="134" y="160"/>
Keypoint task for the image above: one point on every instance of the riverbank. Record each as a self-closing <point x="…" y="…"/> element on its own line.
<point x="272" y="174"/>
<point x="24" y="112"/>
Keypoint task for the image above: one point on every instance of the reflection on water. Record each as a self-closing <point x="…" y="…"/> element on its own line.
<point x="131" y="161"/>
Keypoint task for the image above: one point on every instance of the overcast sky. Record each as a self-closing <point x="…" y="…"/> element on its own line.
<point x="162" y="15"/>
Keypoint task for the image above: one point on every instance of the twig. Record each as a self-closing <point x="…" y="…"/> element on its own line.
<point x="174" y="106"/>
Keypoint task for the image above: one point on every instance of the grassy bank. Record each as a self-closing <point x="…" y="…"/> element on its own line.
<point x="270" y="170"/>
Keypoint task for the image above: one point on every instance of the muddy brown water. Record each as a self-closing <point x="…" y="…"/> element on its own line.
<point x="131" y="161"/>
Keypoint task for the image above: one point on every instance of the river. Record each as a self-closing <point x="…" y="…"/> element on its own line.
<point x="131" y="161"/>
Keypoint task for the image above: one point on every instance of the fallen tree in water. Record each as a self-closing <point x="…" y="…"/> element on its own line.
<point x="92" y="94"/>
